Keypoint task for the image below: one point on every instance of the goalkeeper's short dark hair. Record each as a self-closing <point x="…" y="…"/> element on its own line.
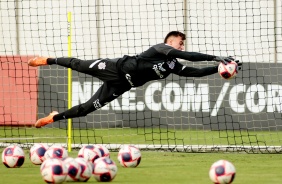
<point x="176" y="34"/>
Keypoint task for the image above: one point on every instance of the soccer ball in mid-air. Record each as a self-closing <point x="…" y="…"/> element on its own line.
<point x="86" y="169"/>
<point x="56" y="151"/>
<point x="74" y="169"/>
<point x="222" y="172"/>
<point x="129" y="156"/>
<point x="104" y="169"/>
<point x="13" y="156"/>
<point x="103" y="149"/>
<point x="53" y="170"/>
<point x="89" y="153"/>
<point x="229" y="70"/>
<point x="36" y="153"/>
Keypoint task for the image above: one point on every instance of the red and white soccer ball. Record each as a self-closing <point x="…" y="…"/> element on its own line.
<point x="36" y="153"/>
<point x="74" y="169"/>
<point x="89" y="153"/>
<point x="222" y="172"/>
<point x="13" y="156"/>
<point x="104" y="169"/>
<point x="56" y="151"/>
<point x="103" y="149"/>
<point x="229" y="70"/>
<point x="129" y="156"/>
<point x="86" y="169"/>
<point x="53" y="170"/>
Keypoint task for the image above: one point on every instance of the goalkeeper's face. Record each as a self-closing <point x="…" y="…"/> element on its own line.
<point x="176" y="42"/>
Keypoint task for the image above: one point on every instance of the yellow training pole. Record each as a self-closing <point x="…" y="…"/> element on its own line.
<point x="69" y="83"/>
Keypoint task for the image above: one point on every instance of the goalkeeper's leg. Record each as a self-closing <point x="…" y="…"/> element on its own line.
<point x="104" y="69"/>
<point x="106" y="93"/>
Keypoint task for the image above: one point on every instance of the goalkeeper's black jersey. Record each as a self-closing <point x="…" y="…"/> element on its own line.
<point x="156" y="63"/>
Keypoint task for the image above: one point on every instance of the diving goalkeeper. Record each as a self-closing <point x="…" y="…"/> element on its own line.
<point x="121" y="74"/>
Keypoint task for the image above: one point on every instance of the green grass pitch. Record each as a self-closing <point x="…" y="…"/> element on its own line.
<point x="150" y="136"/>
<point x="169" y="168"/>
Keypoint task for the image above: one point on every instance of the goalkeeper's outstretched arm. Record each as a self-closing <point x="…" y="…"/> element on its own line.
<point x="196" y="56"/>
<point x="201" y="72"/>
<point x="197" y="72"/>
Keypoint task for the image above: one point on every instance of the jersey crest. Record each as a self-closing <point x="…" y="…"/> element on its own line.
<point x="102" y="66"/>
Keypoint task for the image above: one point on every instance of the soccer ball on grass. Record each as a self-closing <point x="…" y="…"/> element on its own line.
<point x="56" y="151"/>
<point x="36" y="153"/>
<point x="13" y="156"/>
<point x="74" y="169"/>
<point x="129" y="156"/>
<point x="222" y="172"/>
<point x="86" y="169"/>
<point x="104" y="169"/>
<point x="89" y="153"/>
<point x="53" y="170"/>
<point x="103" y="149"/>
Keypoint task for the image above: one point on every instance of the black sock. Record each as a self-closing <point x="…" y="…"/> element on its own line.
<point x="51" y="61"/>
<point x="58" y="117"/>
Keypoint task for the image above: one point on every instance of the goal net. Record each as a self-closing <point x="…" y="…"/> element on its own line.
<point x="207" y="114"/>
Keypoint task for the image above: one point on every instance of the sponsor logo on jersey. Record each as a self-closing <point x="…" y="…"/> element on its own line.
<point x="158" y="68"/>
<point x="128" y="77"/>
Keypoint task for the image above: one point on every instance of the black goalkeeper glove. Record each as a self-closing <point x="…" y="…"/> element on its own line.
<point x="224" y="60"/>
<point x="239" y="65"/>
